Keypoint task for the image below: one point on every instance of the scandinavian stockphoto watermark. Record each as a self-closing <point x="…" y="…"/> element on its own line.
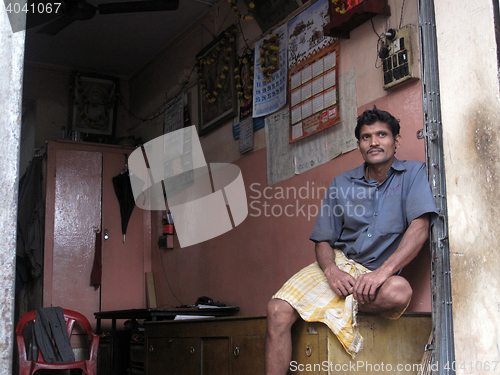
<point x="307" y="201"/>
<point x="206" y="200"/>
<point x="362" y="367"/>
<point x="466" y="366"/>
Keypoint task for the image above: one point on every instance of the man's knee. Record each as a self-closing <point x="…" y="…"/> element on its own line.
<point x="400" y="290"/>
<point x="281" y="314"/>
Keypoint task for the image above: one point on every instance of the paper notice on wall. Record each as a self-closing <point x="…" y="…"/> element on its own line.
<point x="270" y="93"/>
<point x="174" y="115"/>
<point x="246" y="135"/>
<point x="310" y="153"/>
<point x="280" y="152"/>
<point x="340" y="138"/>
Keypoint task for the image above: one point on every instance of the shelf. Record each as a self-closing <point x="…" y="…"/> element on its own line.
<point x="341" y="24"/>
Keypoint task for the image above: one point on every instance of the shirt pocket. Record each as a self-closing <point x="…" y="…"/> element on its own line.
<point x="390" y="215"/>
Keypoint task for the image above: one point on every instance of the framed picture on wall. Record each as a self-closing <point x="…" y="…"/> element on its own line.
<point x="217" y="96"/>
<point x="94" y="105"/>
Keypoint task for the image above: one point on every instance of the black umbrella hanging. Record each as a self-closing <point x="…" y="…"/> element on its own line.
<point x="123" y="191"/>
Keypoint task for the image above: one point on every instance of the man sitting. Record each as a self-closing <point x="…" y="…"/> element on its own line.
<point x="374" y="220"/>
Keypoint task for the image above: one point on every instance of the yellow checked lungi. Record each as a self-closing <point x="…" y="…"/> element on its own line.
<point x="310" y="294"/>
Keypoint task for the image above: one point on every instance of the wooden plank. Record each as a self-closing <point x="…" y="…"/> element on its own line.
<point x="150" y="291"/>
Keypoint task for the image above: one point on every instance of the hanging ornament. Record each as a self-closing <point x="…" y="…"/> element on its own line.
<point x="243" y="76"/>
<point x="213" y="68"/>
<point x="246" y="17"/>
<point x="341" y="6"/>
<point x="269" y="56"/>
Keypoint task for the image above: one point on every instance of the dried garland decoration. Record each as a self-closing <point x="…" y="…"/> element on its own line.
<point x="246" y="17"/>
<point x="93" y="105"/>
<point x="269" y="56"/>
<point x="212" y="84"/>
<point x="244" y="76"/>
<point x="341" y="6"/>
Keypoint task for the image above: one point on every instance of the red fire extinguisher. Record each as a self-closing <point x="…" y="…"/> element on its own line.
<point x="168" y="224"/>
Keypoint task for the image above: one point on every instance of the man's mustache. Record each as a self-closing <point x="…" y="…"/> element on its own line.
<point x="375" y="149"/>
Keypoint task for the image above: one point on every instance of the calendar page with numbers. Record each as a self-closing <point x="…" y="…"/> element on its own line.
<point x="312" y="74"/>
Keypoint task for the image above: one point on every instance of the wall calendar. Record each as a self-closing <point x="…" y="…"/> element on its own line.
<point x="313" y="73"/>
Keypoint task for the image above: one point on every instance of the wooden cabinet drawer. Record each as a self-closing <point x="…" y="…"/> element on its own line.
<point x="221" y="346"/>
<point x="247" y="355"/>
<point x="173" y="356"/>
<point x="394" y="344"/>
<point x="215" y="355"/>
<point x="235" y="346"/>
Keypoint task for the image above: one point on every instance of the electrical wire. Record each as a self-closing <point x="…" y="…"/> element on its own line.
<point x="401" y="18"/>
<point x="168" y="282"/>
<point x="154" y="117"/>
<point x="373" y="28"/>
<point x="242" y="34"/>
<point x="224" y="20"/>
<point x="120" y="100"/>
<point x="379" y="40"/>
<point x="206" y="28"/>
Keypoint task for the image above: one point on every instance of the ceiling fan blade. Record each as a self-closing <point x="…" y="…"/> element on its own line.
<point x="37" y="19"/>
<point x="42" y="14"/>
<point x="138" y="6"/>
<point x="53" y="27"/>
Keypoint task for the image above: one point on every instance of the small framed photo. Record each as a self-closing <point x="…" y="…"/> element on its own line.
<point x="217" y="95"/>
<point x="93" y="112"/>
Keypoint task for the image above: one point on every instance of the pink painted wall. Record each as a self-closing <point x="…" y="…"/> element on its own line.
<point x="247" y="265"/>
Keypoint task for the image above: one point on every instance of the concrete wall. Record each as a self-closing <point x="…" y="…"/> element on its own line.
<point x="248" y="264"/>
<point x="469" y="97"/>
<point x="11" y="77"/>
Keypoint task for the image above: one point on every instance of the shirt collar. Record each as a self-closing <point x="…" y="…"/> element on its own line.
<point x="359" y="172"/>
<point x="398" y="165"/>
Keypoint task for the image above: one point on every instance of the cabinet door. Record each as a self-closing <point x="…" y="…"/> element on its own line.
<point x="81" y="199"/>
<point x="73" y="212"/>
<point x="173" y="356"/>
<point x="247" y="355"/>
<point x="215" y="355"/>
<point x="122" y="262"/>
<point x="306" y="358"/>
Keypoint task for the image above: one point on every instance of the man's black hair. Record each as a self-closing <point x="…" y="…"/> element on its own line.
<point x="371" y="116"/>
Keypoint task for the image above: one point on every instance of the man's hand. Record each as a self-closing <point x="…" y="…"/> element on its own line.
<point x="340" y="281"/>
<point x="366" y="286"/>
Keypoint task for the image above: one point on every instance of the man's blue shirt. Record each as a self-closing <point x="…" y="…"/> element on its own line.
<point x="367" y="220"/>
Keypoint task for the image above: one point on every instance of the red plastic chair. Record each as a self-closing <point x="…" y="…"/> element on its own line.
<point x="27" y="367"/>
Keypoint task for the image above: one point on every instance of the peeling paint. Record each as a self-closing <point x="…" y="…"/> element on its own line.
<point x="471" y="135"/>
<point x="312" y="330"/>
<point x="483" y="121"/>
